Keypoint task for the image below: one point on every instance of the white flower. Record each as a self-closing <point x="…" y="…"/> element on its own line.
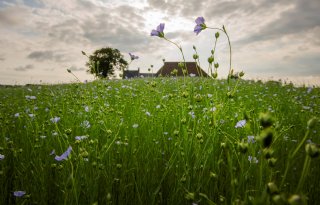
<point x="158" y="106"/>
<point x="1" y="156"/>
<point x="86" y="108"/>
<point x="17" y="115"/>
<point x="31" y="115"/>
<point x="192" y="75"/>
<point x="135" y="125"/>
<point x="148" y="114"/>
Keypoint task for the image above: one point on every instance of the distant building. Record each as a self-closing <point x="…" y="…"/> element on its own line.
<point x="192" y="70"/>
<point x="136" y="74"/>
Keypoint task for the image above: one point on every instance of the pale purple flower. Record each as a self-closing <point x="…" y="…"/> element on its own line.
<point x="191" y="113"/>
<point x="241" y="124"/>
<point x="31" y="115"/>
<point x="86" y="108"/>
<point x="79" y="138"/>
<point x="159" y="31"/>
<point x="251" y="139"/>
<point x="65" y="155"/>
<point x="1" y="156"/>
<point x="55" y="119"/>
<point x="85" y="124"/>
<point x="52" y="152"/>
<point x="253" y="159"/>
<point x="16" y="115"/>
<point x="30" y="97"/>
<point x="19" y="193"/>
<point x="200" y="25"/>
<point x="133" y="57"/>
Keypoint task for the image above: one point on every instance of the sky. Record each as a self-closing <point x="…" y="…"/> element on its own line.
<point x="275" y="39"/>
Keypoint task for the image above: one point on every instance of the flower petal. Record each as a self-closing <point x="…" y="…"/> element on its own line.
<point x="199" y="20"/>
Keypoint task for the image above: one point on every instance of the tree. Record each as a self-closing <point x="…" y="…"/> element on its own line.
<point x="103" y="62"/>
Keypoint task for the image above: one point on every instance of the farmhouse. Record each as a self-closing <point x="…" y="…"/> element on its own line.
<point x="136" y="74"/>
<point x="168" y="70"/>
<point x="192" y="70"/>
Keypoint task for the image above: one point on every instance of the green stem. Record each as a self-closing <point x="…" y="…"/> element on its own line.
<point x="180" y="49"/>
<point x="291" y="156"/>
<point x="304" y="173"/>
<point x="230" y="52"/>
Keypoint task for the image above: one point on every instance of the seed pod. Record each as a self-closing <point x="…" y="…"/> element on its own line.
<point x="210" y="59"/>
<point x="195" y="56"/>
<point x="295" y="200"/>
<point x="272" y="188"/>
<point x="266" y="120"/>
<point x="266" y="137"/>
<point x="312" y="123"/>
<point x="312" y="150"/>
<point x="272" y="162"/>
<point x="217" y="35"/>
<point x="243" y="147"/>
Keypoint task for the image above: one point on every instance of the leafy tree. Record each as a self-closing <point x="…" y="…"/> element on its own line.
<point x="103" y="62"/>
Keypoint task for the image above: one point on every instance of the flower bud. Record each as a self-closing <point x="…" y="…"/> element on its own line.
<point x="215" y="75"/>
<point x="190" y="196"/>
<point x="268" y="153"/>
<point x="272" y="188"/>
<point x="243" y="147"/>
<point x="295" y="200"/>
<point x="272" y="162"/>
<point x="69" y="70"/>
<point x="312" y="122"/>
<point x="266" y="120"/>
<point x="181" y="65"/>
<point x="194" y="47"/>
<point x="241" y="74"/>
<point x="266" y="137"/>
<point x="216" y="65"/>
<point x="210" y="59"/>
<point x="83" y="53"/>
<point x="312" y="150"/>
<point x="195" y="56"/>
<point x="217" y="35"/>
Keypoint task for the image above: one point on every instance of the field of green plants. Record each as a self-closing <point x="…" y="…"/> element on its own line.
<point x="160" y="141"/>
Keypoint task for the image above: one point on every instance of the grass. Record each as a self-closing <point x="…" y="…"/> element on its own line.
<point x="160" y="141"/>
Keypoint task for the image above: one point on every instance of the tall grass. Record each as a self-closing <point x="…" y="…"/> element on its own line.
<point x="160" y="141"/>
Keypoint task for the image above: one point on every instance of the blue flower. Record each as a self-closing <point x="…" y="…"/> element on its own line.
<point x="241" y="124"/>
<point x="200" y="25"/>
<point x="65" y="155"/>
<point x="19" y="193"/>
<point x="159" y="31"/>
<point x="133" y="57"/>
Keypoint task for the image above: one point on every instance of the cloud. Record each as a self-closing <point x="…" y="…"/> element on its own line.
<point x="24" y="68"/>
<point x="47" y="56"/>
<point x="75" y="68"/>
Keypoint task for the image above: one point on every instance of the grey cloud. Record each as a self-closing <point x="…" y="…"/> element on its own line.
<point x="47" y="56"/>
<point x="122" y="30"/>
<point x="178" y="7"/>
<point x="302" y="18"/>
<point x="24" y="68"/>
<point x="75" y="68"/>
